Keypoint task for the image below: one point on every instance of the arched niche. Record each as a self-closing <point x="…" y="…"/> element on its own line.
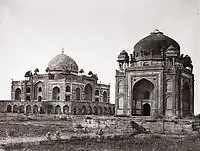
<point x="18" y="94"/>
<point x="88" y="92"/>
<point x="186" y="99"/>
<point x="38" y="90"/>
<point x="142" y="90"/>
<point x="56" y="93"/>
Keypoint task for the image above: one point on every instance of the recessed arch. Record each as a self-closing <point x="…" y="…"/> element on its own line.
<point x="28" y="109"/>
<point x="88" y="92"/>
<point x="143" y="89"/>
<point x="105" y="97"/>
<point x="68" y="88"/>
<point x="96" y="99"/>
<point x="35" y="109"/>
<point x="97" y="92"/>
<point x="42" y="110"/>
<point x="28" y="90"/>
<point x="9" y="108"/>
<point x="15" y="109"/>
<point x="38" y="89"/>
<point x="49" y="109"/>
<point x="78" y="93"/>
<point x="146" y="109"/>
<point x="21" y="109"/>
<point x="39" y="98"/>
<point x="186" y="99"/>
<point x="65" y="109"/>
<point x="18" y="94"/>
<point x="57" y="109"/>
<point x="56" y="93"/>
<point x="28" y="98"/>
<point x="120" y="87"/>
<point x="67" y="98"/>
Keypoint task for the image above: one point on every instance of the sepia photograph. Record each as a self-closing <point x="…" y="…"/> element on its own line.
<point x="99" y="75"/>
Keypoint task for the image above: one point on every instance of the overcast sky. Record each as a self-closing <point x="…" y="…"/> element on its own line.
<point x="93" y="32"/>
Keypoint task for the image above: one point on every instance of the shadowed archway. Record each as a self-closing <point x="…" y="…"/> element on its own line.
<point x="142" y="90"/>
<point x="146" y="109"/>
<point x="186" y="99"/>
<point x="88" y="92"/>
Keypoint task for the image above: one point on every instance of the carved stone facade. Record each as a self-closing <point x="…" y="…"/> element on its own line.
<point x="155" y="81"/>
<point x="62" y="89"/>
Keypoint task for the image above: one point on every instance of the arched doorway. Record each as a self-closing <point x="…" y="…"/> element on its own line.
<point x="18" y="94"/>
<point x="35" y="109"/>
<point x="186" y="99"/>
<point x="67" y="98"/>
<point x="28" y="90"/>
<point x="21" y="109"/>
<point x="97" y="92"/>
<point x="28" y="98"/>
<point x="67" y="88"/>
<point x="42" y="110"/>
<point x="88" y="92"/>
<point x="57" y="109"/>
<point x="49" y="109"/>
<point x="15" y="109"/>
<point x="39" y="98"/>
<point x="146" y="109"/>
<point x="105" y="97"/>
<point x="65" y="109"/>
<point x="142" y="90"/>
<point x="9" y="109"/>
<point x="78" y="94"/>
<point x="56" y="93"/>
<point x="28" y="109"/>
<point x="38" y="90"/>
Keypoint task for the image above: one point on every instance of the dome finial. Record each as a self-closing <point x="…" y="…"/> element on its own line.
<point x="62" y="50"/>
<point x="156" y="31"/>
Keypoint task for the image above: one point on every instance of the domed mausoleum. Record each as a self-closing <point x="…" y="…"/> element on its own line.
<point x="63" y="89"/>
<point x="155" y="80"/>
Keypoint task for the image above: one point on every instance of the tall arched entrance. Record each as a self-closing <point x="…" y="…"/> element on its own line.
<point x="142" y="92"/>
<point x="88" y="92"/>
<point x="38" y="90"/>
<point x="18" y="94"/>
<point x="56" y="93"/>
<point x="146" y="109"/>
<point x="105" y="96"/>
<point x="186" y="99"/>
